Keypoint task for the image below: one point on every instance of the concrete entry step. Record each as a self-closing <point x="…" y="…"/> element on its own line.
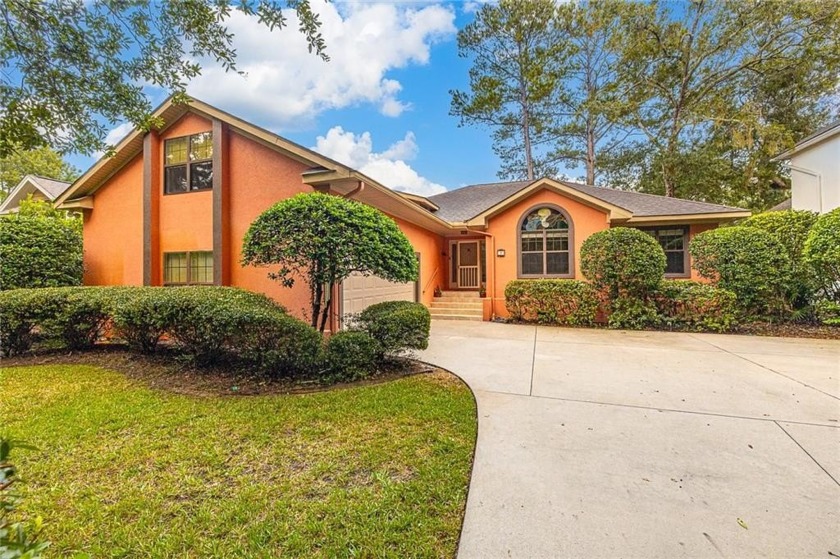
<point x="476" y="318"/>
<point x="466" y="304"/>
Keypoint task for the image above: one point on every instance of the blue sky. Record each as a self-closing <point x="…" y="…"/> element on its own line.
<point x="381" y="104"/>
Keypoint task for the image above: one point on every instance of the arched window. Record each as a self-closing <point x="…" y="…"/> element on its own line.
<point x="545" y="241"/>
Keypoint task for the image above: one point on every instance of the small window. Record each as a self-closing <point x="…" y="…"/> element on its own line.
<point x="188" y="268"/>
<point x="188" y="163"/>
<point x="544" y="249"/>
<point x="673" y="242"/>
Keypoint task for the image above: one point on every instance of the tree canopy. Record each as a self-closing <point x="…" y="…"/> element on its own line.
<point x="72" y="68"/>
<point x="323" y="239"/>
<point x="43" y="161"/>
<point x="687" y="99"/>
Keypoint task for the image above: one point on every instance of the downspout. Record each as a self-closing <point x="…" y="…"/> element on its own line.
<point x="492" y="276"/>
<point x="813" y="174"/>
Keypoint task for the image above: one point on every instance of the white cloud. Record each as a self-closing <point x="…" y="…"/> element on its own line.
<point x="114" y="136"/>
<point x="388" y="167"/>
<point x="286" y="86"/>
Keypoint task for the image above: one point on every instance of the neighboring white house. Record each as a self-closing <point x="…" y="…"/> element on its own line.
<point x="40" y="188"/>
<point x="814" y="165"/>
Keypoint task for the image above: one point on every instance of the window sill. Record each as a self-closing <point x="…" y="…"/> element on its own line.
<point x="188" y="191"/>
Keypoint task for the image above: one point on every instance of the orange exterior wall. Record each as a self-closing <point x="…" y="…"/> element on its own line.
<point x="184" y="221"/>
<point x="113" y="235"/>
<point x="431" y="247"/>
<point x="259" y="177"/>
<point x="504" y="227"/>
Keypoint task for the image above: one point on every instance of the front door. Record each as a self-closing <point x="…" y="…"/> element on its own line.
<point x="465" y="264"/>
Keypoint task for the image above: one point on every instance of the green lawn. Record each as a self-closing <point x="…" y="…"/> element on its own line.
<point x="123" y="470"/>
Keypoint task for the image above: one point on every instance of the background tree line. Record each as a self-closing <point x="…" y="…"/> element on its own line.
<point x="688" y="99"/>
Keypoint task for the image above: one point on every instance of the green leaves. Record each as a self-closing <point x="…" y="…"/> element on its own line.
<point x="82" y="66"/>
<point x="748" y="261"/>
<point x="822" y="253"/>
<point x="324" y="239"/>
<point x="40" y="247"/>
<point x="623" y="261"/>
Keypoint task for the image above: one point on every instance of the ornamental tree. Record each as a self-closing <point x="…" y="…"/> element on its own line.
<point x="323" y="239"/>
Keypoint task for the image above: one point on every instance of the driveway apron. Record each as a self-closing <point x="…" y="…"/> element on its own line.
<point x="596" y="443"/>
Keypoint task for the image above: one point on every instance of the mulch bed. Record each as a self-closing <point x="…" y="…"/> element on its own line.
<point x="169" y="372"/>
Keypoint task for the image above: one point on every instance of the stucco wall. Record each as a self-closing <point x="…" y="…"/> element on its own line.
<point x="504" y="228"/>
<point x="430" y="246"/>
<point x="809" y="192"/>
<point x="113" y="235"/>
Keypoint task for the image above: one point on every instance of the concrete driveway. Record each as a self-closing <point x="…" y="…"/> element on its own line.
<point x="596" y="443"/>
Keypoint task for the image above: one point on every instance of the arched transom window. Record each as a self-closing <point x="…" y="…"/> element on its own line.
<point x="544" y="244"/>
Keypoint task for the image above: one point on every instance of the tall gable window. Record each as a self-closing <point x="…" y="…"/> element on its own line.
<point x="673" y="241"/>
<point x="545" y="240"/>
<point x="188" y="163"/>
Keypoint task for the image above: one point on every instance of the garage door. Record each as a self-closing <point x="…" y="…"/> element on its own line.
<point x="359" y="292"/>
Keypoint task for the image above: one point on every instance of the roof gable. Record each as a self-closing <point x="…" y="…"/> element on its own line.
<point x="30" y="184"/>
<point x="474" y="204"/>
<point x="817" y="137"/>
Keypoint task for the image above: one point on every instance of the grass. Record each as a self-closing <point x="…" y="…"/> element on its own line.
<point x="126" y="471"/>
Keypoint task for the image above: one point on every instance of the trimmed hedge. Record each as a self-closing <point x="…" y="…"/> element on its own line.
<point x="207" y="323"/>
<point x="567" y="302"/>
<point x="348" y="356"/>
<point x="690" y="305"/>
<point x="623" y="261"/>
<point x="396" y="326"/>
<point x="747" y="261"/>
<point x="790" y="228"/>
<point x="822" y="253"/>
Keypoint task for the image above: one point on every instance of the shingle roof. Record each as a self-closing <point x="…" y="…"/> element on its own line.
<point x="469" y="201"/>
<point x="52" y="187"/>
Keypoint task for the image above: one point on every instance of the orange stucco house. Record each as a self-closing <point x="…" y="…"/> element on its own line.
<point x="171" y="207"/>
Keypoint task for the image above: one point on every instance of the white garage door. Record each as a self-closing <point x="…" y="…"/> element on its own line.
<point x="359" y="292"/>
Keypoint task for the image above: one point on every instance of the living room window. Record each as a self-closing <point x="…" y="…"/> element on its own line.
<point x="188" y="163"/>
<point x="674" y="241"/>
<point x="188" y="268"/>
<point x="545" y="244"/>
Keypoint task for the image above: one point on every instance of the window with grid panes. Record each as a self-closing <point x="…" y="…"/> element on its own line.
<point x="544" y="249"/>
<point x="674" y="242"/>
<point x="188" y="268"/>
<point x="188" y="163"/>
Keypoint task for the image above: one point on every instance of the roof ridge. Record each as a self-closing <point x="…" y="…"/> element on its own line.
<point x="573" y="184"/>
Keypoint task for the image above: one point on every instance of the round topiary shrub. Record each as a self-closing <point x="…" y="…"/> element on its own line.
<point x="397" y="326"/>
<point x="791" y="228"/>
<point x="348" y="356"/>
<point x="623" y="261"/>
<point x="822" y="253"/>
<point x="749" y="262"/>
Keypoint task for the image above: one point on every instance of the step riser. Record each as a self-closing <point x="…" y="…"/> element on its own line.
<point x="467" y="294"/>
<point x="456" y="304"/>
<point x="456" y="317"/>
<point x="455" y="312"/>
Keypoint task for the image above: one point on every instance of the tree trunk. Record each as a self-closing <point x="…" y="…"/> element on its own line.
<point x="316" y="291"/>
<point x="590" y="154"/>
<point x="326" y="312"/>
<point x="526" y="132"/>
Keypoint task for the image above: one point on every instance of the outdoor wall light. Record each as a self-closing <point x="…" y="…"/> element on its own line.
<point x="500" y="253"/>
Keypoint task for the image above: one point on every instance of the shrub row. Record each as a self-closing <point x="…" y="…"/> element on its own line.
<point x="206" y="323"/>
<point x="210" y="324"/>
<point x="567" y="302"/>
<point x="675" y="304"/>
